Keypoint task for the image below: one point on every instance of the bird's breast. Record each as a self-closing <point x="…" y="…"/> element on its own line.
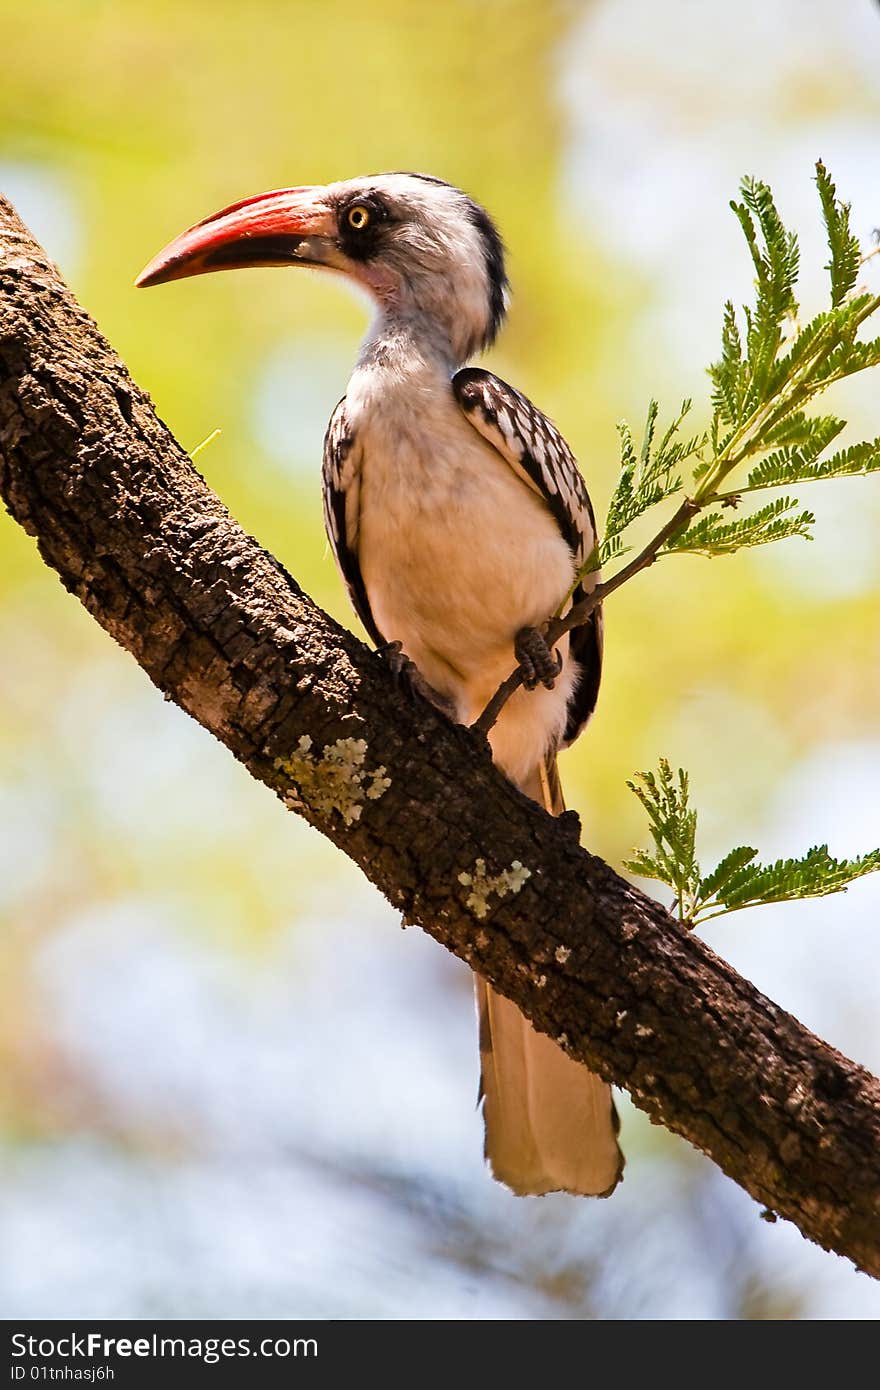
<point x="457" y="553"/>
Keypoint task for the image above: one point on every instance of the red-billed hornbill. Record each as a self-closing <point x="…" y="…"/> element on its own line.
<point x="457" y="515"/>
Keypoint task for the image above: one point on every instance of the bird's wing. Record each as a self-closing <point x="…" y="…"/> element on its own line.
<point x="535" y="449"/>
<point x="341" y="485"/>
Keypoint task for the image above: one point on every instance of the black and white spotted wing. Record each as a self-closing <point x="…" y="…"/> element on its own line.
<point x="535" y="449"/>
<point x="341" y="491"/>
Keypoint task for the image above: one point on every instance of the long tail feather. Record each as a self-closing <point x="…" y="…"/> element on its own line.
<point x="551" y="1125"/>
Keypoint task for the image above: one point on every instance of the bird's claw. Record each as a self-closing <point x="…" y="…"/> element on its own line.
<point x="396" y="660"/>
<point x="408" y="678"/>
<point x="537" y="662"/>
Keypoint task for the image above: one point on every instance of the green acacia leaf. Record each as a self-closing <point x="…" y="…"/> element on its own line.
<point x="843" y="266"/>
<point x="648" y="477"/>
<point x="739" y="880"/>
<point x="732" y="862"/>
<point x="673" y="826"/>
<point x="712" y="534"/>
<point x="797" y="465"/>
<point x="646" y="866"/>
<point x="816" y="874"/>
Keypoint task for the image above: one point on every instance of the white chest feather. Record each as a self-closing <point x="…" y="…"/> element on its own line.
<point x="457" y="554"/>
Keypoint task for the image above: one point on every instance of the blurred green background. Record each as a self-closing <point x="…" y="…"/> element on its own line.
<point x="229" y="1085"/>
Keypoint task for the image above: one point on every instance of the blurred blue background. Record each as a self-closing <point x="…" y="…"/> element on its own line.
<point x="230" y="1086"/>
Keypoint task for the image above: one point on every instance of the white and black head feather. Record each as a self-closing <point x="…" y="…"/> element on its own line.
<point x="442" y="248"/>
<point x="493" y="254"/>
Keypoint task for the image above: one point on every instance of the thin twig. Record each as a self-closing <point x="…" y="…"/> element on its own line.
<point x="581" y="612"/>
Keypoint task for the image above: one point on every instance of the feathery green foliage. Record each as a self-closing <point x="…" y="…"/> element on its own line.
<point x="776" y="258"/>
<point x="737" y="881"/>
<point x="798" y="465"/>
<point x="815" y="875"/>
<point x="713" y="535"/>
<point x="762" y="436"/>
<point x="845" y="252"/>
<point x="770" y="369"/>
<point x="648" y="477"/>
<point x="673" y="830"/>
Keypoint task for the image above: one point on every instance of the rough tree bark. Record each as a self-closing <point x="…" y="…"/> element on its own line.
<point x="118" y="509"/>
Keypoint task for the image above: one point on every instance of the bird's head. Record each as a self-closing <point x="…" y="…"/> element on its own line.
<point x="423" y="249"/>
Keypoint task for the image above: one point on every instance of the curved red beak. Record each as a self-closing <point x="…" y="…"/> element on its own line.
<point x="289" y="226"/>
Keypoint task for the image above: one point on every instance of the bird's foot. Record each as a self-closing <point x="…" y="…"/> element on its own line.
<point x="538" y="664"/>
<point x="408" y="677"/>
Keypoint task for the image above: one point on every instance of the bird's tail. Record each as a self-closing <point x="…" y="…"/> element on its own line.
<point x="551" y="1125"/>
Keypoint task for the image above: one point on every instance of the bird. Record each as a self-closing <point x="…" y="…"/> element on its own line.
<point x="458" y="518"/>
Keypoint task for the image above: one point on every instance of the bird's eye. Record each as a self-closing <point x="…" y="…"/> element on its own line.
<point x="358" y="217"/>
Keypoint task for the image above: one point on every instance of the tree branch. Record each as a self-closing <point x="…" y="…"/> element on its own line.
<point x="118" y="509"/>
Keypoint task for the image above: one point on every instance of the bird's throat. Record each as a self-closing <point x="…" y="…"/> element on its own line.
<point x="410" y="343"/>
